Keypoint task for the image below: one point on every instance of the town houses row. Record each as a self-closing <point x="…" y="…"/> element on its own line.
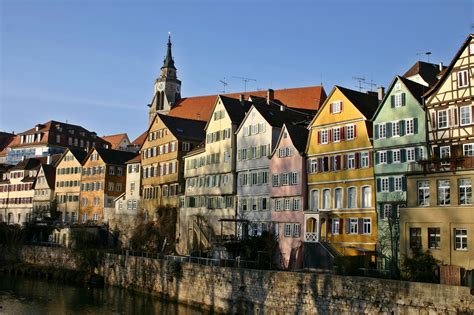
<point x="348" y="173"/>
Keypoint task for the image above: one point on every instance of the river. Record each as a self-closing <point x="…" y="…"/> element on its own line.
<point x="20" y="295"/>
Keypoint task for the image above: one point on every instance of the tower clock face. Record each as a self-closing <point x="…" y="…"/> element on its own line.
<point x="178" y="88"/>
<point x="161" y="86"/>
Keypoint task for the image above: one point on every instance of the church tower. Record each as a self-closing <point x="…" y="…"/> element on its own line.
<point x="167" y="89"/>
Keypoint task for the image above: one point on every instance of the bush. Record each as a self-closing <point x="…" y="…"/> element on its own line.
<point x="421" y="267"/>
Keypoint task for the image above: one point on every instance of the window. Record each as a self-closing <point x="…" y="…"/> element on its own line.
<point x="398" y="99"/>
<point x="395" y="129"/>
<point x="186" y="146"/>
<point x="275" y="180"/>
<point x="396" y="157"/>
<point x="351" y="197"/>
<point x="111" y="170"/>
<point x="410" y="154"/>
<point x="335" y="226"/>
<point x="353" y="226"/>
<point x="444" y="195"/>
<point x="294" y="178"/>
<point x="364" y="159"/>
<point x="465" y="191"/>
<point x="443" y="119"/>
<point x="296" y="204"/>
<point x="326" y="199"/>
<point x="366" y="197"/>
<point x="465" y="114"/>
<point x="336" y="107"/>
<point x="384" y="185"/>
<point x="350" y="132"/>
<point x="324" y="136"/>
<point x="287" y="230"/>
<point x="336" y="135"/>
<point x="313" y="166"/>
<point x="287" y="203"/>
<point x="351" y="161"/>
<point x="338" y="198"/>
<point x="410" y="126"/>
<point x="382" y="131"/>
<point x="382" y="157"/>
<point x="84" y="201"/>
<point x="445" y="152"/>
<point x="314" y="200"/>
<point x="463" y="78"/>
<point x="423" y="193"/>
<point x="398" y="183"/>
<point x="386" y="211"/>
<point x="296" y="230"/>
<point x="434" y="237"/>
<point x="468" y="149"/>
<point x="460" y="241"/>
<point x="285" y="179"/>
<point x="366" y="226"/>
<point x="415" y="238"/>
<point x="278" y="204"/>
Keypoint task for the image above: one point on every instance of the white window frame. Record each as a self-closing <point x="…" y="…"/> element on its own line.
<point x="383" y="157"/>
<point x="423" y="186"/>
<point x="384" y="184"/>
<point x="467" y="119"/>
<point x="410" y="153"/>
<point x="366" y="226"/>
<point x="410" y="126"/>
<point x="382" y="131"/>
<point x="336" y="107"/>
<point x="398" y="183"/>
<point x="460" y="240"/>
<point x="463" y="78"/>
<point x="396" y="156"/>
<point x="349" y="202"/>
<point x="324" y="136"/>
<point x="353" y="226"/>
<point x="396" y="127"/>
<point x="351" y="161"/>
<point x="465" y="190"/>
<point x="468" y="149"/>
<point x="335" y="226"/>
<point x="350" y="135"/>
<point x="398" y="100"/>
<point x="336" y="134"/>
<point x="443" y="120"/>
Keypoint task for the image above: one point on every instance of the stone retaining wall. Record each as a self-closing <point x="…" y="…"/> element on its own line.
<point x="253" y="291"/>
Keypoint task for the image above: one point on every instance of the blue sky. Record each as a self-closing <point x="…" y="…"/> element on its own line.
<point x="93" y="63"/>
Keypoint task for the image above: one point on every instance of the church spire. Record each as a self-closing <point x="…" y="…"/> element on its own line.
<point x="168" y="62"/>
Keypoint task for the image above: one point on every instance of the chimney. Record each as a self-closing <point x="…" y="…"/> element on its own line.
<point x="440" y="66"/>
<point x="381" y="92"/>
<point x="241" y="99"/>
<point x="270" y="96"/>
<point x="282" y="108"/>
<point x="49" y="159"/>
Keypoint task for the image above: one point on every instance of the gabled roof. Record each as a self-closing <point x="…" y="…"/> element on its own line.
<point x="277" y="117"/>
<point x="136" y="159"/>
<point x="447" y="71"/>
<point x="116" y="157"/>
<point x="428" y="71"/>
<point x="201" y="147"/>
<point x="27" y="164"/>
<point x="235" y="108"/>
<point x="49" y="174"/>
<point x="140" y="139"/>
<point x="5" y="139"/>
<point x="80" y="155"/>
<point x="200" y="107"/>
<point x="299" y="137"/>
<point x="184" y="129"/>
<point x="115" y="140"/>
<point x="366" y="103"/>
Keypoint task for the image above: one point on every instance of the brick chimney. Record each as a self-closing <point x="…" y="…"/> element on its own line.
<point x="381" y="93"/>
<point x="440" y="66"/>
<point x="270" y="96"/>
<point x="241" y="99"/>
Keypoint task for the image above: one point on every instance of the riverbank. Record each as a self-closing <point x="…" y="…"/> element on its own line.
<point x="237" y="290"/>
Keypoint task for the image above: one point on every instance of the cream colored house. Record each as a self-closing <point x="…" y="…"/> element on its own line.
<point x="43" y="199"/>
<point x="68" y="184"/>
<point x="211" y="180"/>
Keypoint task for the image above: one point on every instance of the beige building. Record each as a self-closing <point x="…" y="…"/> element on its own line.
<point x="44" y="205"/>
<point x="68" y="184"/>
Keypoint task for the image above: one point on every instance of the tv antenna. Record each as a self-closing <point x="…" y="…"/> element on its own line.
<point x="360" y="80"/>
<point x="428" y="53"/>
<point x="224" y="85"/>
<point x="371" y="84"/>
<point x="245" y="81"/>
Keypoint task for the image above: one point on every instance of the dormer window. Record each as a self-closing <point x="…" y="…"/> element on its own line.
<point x="463" y="78"/>
<point x="336" y="107"/>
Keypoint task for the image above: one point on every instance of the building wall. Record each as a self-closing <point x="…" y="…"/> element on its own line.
<point x="17" y="196"/>
<point x="43" y="196"/>
<point x="67" y="195"/>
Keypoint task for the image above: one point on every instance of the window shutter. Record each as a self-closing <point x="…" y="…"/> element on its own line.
<point x="329" y="222"/>
<point x="391" y="184"/>
<point x="379" y="183"/>
<point x="319" y="136"/>
<point x="360" y="222"/>
<point x="403" y="155"/>
<point x="433" y="120"/>
<point x="404" y="183"/>
<point x="376" y="131"/>
<point x="330" y="135"/>
<point x="341" y="226"/>
<point x="376" y="158"/>
<point x="355" y="131"/>
<point x="357" y="160"/>
<point x="389" y="129"/>
<point x="402" y="127"/>
<point x="338" y="159"/>
<point x="330" y="108"/>
<point x="371" y="158"/>
<point x="342" y="103"/>
<point x="389" y="157"/>
<point x="342" y="133"/>
<point x="344" y="161"/>
<point x="436" y="152"/>
<point x="417" y="154"/>
<point x="392" y="101"/>
<point x="455" y="116"/>
<point x="403" y="99"/>
<point x="320" y="165"/>
<point x="415" y="125"/>
<point x="348" y="226"/>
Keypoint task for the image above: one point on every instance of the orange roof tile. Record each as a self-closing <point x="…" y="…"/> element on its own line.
<point x="200" y="107"/>
<point x="141" y="138"/>
<point x="115" y="140"/>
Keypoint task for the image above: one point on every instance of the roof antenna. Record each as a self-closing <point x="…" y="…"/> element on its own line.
<point x="245" y="81"/>
<point x="224" y="84"/>
<point x="360" y="80"/>
<point x="371" y="84"/>
<point x="428" y="53"/>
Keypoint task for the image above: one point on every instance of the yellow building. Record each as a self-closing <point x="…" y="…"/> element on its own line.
<point x="341" y="210"/>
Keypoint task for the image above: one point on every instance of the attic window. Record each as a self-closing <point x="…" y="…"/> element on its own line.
<point x="285" y="135"/>
<point x="463" y="78"/>
<point x="336" y="107"/>
<point x="398" y="87"/>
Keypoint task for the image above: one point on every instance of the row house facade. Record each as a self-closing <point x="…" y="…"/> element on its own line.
<point x="399" y="142"/>
<point x="102" y="180"/>
<point x="52" y="137"/>
<point x="256" y="139"/>
<point x="16" y="191"/>
<point x="440" y="215"/>
<point x="341" y="212"/>
<point x="211" y="179"/>
<point x="288" y="197"/>
<point x="169" y="139"/>
<point x="44" y="204"/>
<point x="68" y="184"/>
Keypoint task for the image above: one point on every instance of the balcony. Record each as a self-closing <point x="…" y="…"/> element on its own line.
<point x="437" y="164"/>
<point x="311" y="237"/>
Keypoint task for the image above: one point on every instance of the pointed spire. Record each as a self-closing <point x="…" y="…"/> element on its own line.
<point x="168" y="62"/>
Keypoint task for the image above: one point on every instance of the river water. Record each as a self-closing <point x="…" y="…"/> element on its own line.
<point x="20" y="295"/>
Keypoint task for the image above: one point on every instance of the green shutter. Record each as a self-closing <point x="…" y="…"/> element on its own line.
<point x="392" y="101"/>
<point x="376" y="131"/>
<point x="403" y="99"/>
<point x="402" y="127"/>
<point x="389" y="129"/>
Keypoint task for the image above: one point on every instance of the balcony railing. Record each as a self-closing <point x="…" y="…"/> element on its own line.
<point x="311" y="237"/>
<point x="441" y="164"/>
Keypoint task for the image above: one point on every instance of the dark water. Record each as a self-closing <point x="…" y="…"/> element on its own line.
<point x="19" y="295"/>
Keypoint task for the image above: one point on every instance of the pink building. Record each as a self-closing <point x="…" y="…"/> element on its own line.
<point x="288" y="193"/>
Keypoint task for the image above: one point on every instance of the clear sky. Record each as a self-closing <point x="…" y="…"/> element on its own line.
<point x="93" y="63"/>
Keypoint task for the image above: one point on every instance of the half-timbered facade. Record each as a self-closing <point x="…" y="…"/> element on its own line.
<point x="440" y="213"/>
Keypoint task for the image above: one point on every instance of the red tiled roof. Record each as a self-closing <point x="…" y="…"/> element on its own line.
<point x="200" y="107"/>
<point x="136" y="159"/>
<point x="115" y="140"/>
<point x="141" y="139"/>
